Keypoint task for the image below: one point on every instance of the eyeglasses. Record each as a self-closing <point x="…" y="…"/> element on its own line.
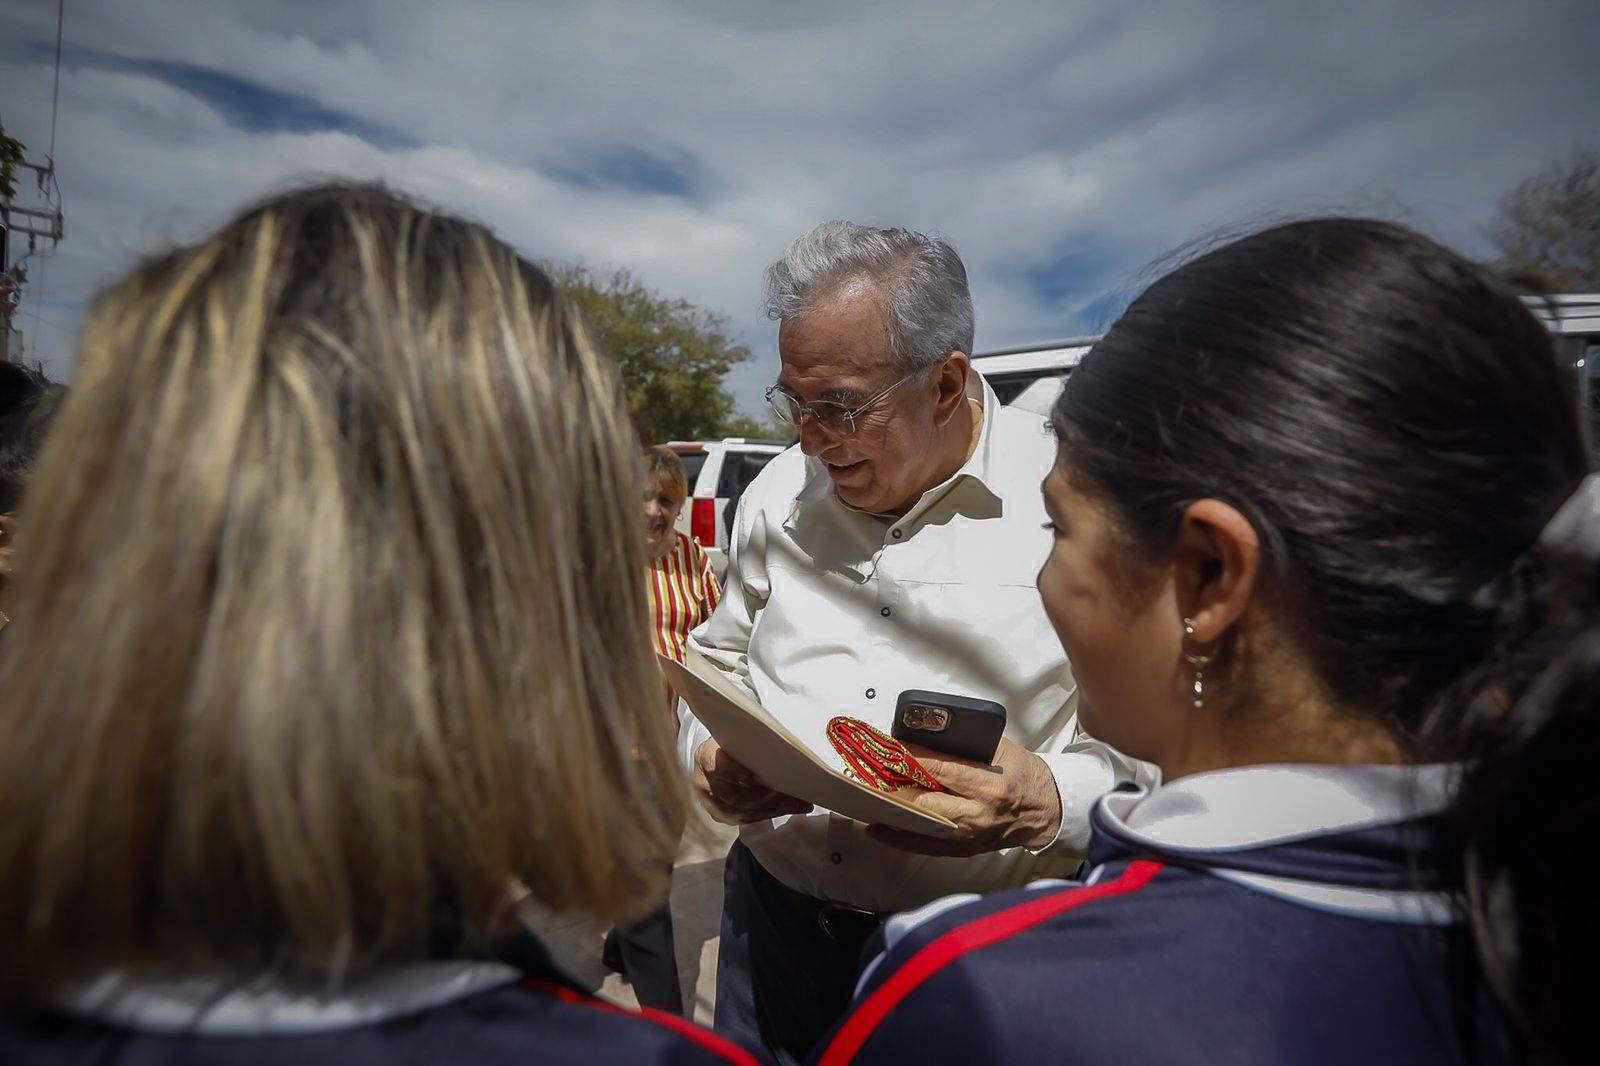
<point x="836" y="418"/>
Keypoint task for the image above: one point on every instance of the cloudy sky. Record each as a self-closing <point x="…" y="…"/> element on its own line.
<point x="1060" y="146"/>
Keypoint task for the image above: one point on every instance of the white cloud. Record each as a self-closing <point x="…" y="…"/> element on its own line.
<point x="1091" y="139"/>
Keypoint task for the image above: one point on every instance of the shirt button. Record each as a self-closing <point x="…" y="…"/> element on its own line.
<point x="884" y="612"/>
<point x="836" y="858"/>
<point x="872" y="693"/>
<point x="895" y="534"/>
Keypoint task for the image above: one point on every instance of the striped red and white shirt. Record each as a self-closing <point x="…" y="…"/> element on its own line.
<point x="683" y="593"/>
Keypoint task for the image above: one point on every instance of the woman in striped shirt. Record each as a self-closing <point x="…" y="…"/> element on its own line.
<point x="683" y="593"/>
<point x="683" y="590"/>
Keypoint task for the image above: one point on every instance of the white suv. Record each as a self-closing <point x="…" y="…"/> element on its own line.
<point x="1031" y="378"/>
<point x="1575" y="320"/>
<point x="718" y="472"/>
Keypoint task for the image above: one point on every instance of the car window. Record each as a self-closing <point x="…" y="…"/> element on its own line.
<point x="738" y="470"/>
<point x="1010" y="386"/>
<point x="1589" y="365"/>
<point x="692" y="465"/>
<point x="1009" y="389"/>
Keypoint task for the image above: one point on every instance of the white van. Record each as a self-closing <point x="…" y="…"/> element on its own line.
<point x="1575" y="320"/>
<point x="1031" y="377"/>
<point x="718" y="473"/>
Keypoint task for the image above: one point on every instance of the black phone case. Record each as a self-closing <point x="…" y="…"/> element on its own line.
<point x="973" y="730"/>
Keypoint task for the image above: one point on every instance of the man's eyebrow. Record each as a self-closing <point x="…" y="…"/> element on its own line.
<point x="840" y="395"/>
<point x="844" y="396"/>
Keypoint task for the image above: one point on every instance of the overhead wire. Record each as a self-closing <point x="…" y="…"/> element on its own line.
<point x="55" y="95"/>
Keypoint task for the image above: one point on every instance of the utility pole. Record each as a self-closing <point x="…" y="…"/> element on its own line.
<point x="39" y="220"/>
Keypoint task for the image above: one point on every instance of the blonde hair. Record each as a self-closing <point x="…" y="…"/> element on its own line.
<point x="334" y="620"/>
<point x="664" y="469"/>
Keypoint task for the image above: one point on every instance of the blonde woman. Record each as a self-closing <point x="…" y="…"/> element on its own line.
<point x="324" y="658"/>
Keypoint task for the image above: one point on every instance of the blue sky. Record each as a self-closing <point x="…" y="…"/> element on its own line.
<point x="1062" y="148"/>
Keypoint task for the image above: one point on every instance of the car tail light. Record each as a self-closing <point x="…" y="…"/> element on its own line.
<point x="703" y="522"/>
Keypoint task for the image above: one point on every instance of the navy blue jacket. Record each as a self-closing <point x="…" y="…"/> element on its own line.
<point x="1264" y="915"/>
<point x="477" y="1015"/>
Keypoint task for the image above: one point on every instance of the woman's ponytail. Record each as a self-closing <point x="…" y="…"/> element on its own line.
<point x="1528" y="813"/>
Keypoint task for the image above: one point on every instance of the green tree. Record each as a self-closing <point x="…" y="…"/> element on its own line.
<point x="1547" y="228"/>
<point x="673" y="355"/>
<point x="758" y="429"/>
<point x="11" y="151"/>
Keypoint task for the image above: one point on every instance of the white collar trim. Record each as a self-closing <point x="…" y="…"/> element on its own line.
<point x="1252" y="806"/>
<point x="265" y="1006"/>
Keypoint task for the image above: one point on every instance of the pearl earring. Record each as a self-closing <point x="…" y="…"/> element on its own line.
<point x="1199" y="662"/>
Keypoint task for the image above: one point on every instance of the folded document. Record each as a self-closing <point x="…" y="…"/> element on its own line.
<point x="759" y="741"/>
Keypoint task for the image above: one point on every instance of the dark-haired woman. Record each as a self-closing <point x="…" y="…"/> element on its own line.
<point x="1326" y="546"/>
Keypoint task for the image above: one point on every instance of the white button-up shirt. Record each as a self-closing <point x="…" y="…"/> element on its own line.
<point x="829" y="611"/>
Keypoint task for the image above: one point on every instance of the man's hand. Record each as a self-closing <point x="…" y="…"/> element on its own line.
<point x="732" y="793"/>
<point x="1013" y="803"/>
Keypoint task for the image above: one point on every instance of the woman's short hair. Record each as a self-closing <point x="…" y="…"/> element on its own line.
<point x="664" y="470"/>
<point x="330" y="628"/>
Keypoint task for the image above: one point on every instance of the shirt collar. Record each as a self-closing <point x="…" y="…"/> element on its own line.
<point x="1356" y="841"/>
<point x="979" y="470"/>
<point x="218" y="1006"/>
<point x="1258" y="806"/>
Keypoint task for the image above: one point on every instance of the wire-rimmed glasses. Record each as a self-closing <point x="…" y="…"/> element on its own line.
<point x="835" y="418"/>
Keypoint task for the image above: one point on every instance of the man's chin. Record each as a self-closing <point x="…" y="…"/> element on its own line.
<point x="861" y="498"/>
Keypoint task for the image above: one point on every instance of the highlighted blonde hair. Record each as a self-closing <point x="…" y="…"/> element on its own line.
<point x="334" y="614"/>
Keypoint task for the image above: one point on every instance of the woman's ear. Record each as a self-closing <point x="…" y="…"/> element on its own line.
<point x="1217" y="562"/>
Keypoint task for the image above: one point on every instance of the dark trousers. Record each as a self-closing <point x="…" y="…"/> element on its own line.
<point x="786" y="965"/>
<point x="650" y="961"/>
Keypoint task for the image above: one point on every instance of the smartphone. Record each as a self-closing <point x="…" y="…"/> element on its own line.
<point x="962" y="726"/>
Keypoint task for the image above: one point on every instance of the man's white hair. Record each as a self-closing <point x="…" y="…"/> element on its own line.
<point x="921" y="279"/>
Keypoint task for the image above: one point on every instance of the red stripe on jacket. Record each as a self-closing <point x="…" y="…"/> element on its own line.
<point x="719" y="1046"/>
<point x="984" y="932"/>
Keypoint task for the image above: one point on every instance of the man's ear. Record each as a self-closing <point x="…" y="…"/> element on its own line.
<point x="1217" y="563"/>
<point x="950" y="386"/>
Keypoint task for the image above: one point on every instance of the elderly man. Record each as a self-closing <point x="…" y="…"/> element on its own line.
<point x="895" y="548"/>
